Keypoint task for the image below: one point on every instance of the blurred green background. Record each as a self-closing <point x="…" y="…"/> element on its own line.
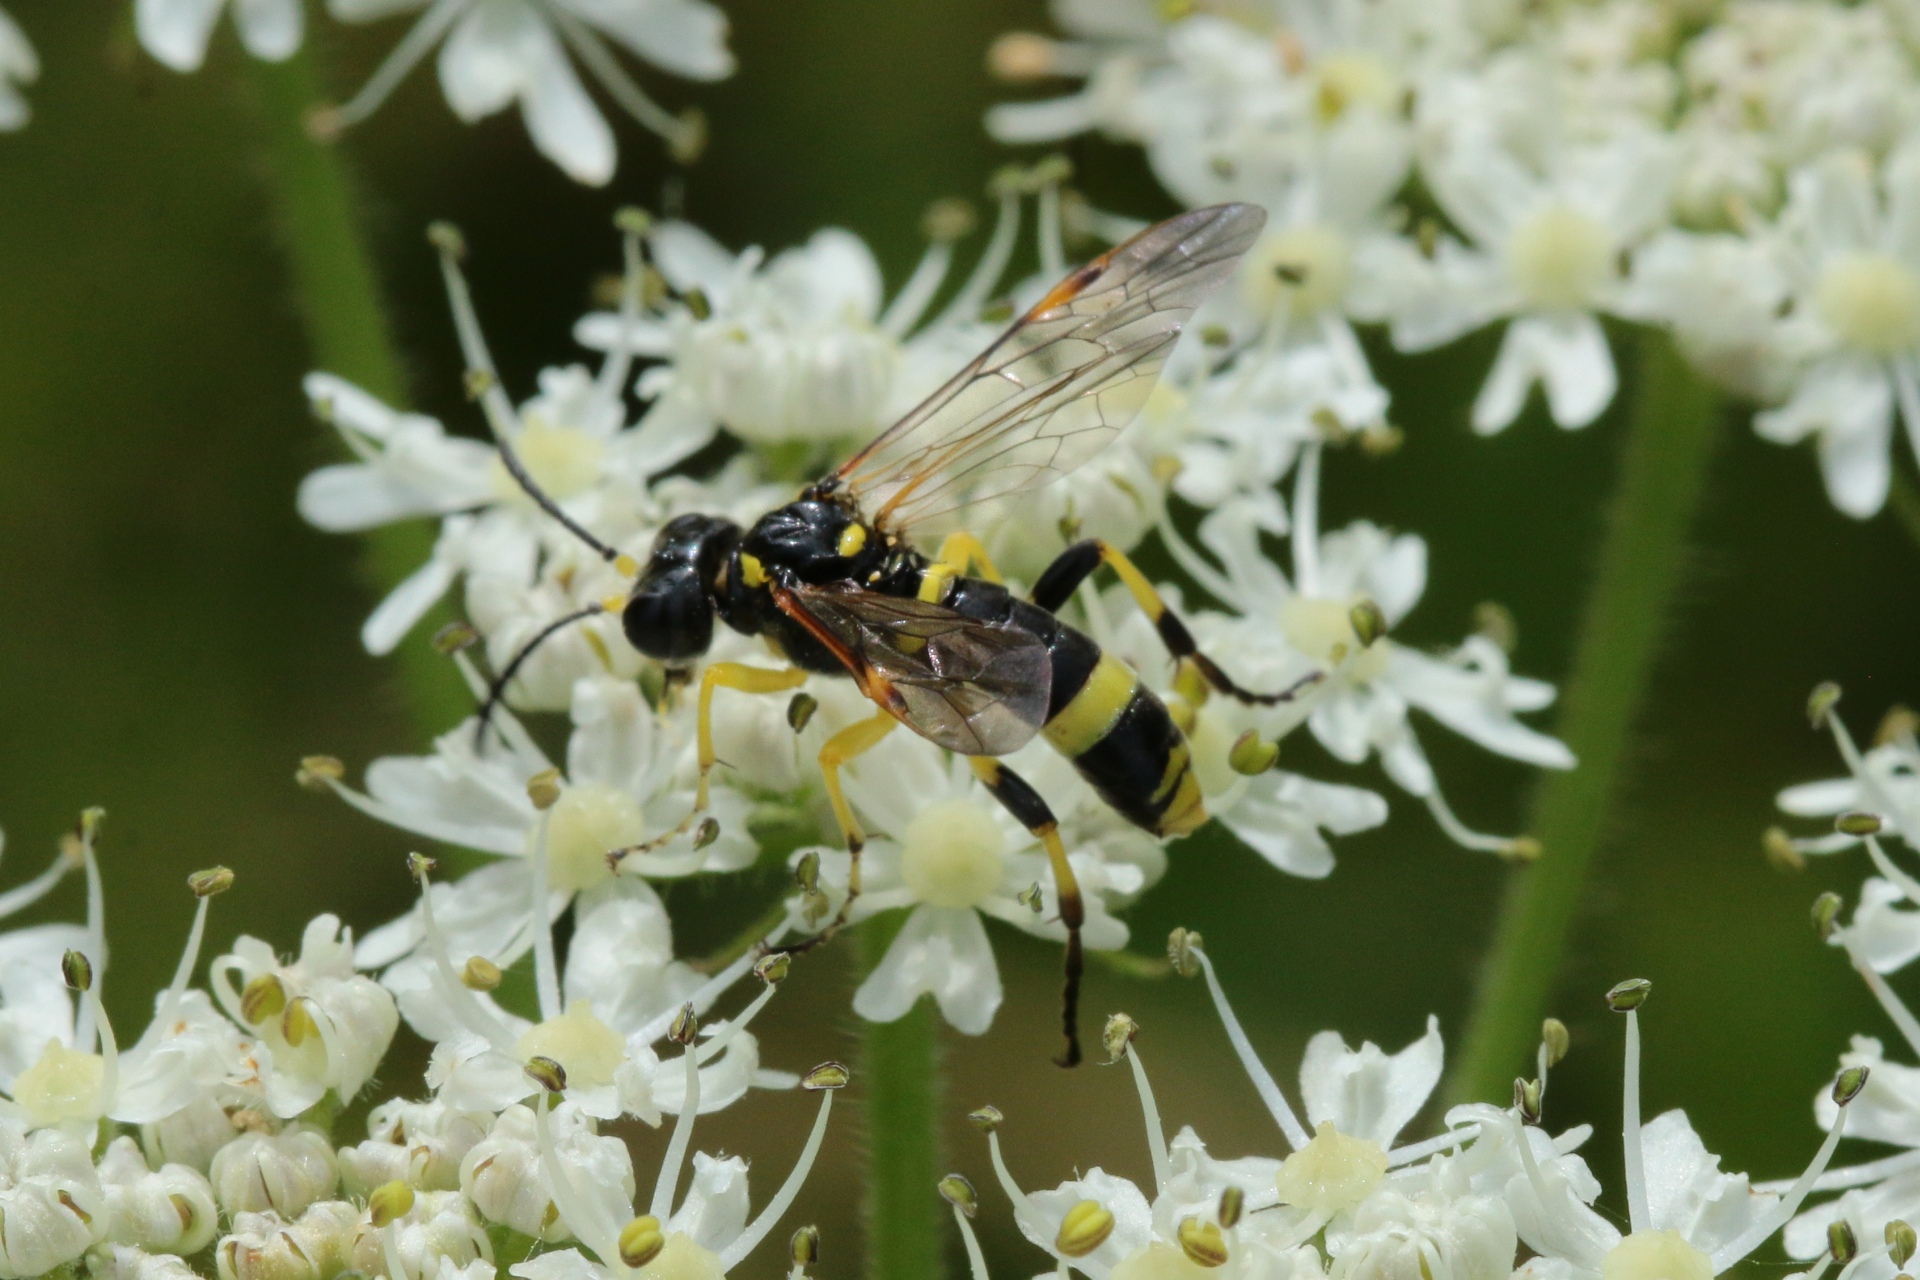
<point x="173" y="639"/>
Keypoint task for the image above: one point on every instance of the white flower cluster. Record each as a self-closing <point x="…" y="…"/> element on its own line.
<point x="1878" y="798"/>
<point x="1746" y="175"/>
<point x="790" y="362"/>
<point x="494" y="54"/>
<point x="210" y="1137"/>
<point x="1351" y="1200"/>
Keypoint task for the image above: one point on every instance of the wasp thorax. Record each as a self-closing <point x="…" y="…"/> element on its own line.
<point x="585" y="823"/>
<point x="953" y="854"/>
<point x="816" y="542"/>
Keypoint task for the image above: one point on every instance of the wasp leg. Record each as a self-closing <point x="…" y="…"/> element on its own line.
<point x="721" y="675"/>
<point x="1077" y="563"/>
<point x="842" y="749"/>
<point x="1019" y="798"/>
<point x="959" y="553"/>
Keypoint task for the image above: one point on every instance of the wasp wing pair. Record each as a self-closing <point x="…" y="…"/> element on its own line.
<point x="1048" y="395"/>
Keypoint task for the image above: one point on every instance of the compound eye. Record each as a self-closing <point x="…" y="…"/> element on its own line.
<point x="670" y="617"/>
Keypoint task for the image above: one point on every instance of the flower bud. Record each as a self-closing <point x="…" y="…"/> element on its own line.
<point x="985" y="1119"/>
<point x="1233" y="1201"/>
<point x="77" y="970"/>
<point x="1900" y="1243"/>
<point x="316" y="772"/>
<point x="1849" y="1085"/>
<point x="1826" y="911"/>
<point x="826" y="1077"/>
<point x="1368" y="624"/>
<point x="263" y="1246"/>
<point x="1840" y="1241"/>
<point x="389" y="1202"/>
<point x="641" y="1241"/>
<point x="1820" y="702"/>
<point x="547" y="1073"/>
<point x="959" y="1193"/>
<point x="284" y="1172"/>
<point x="1553" y="1034"/>
<point x="479" y="974"/>
<point x="543" y="788"/>
<point x="1629" y="995"/>
<point x="1202" y="1242"/>
<point x="1117" y="1035"/>
<point x="1085" y="1228"/>
<point x="1251" y="755"/>
<point x="804" y="1247"/>
<point x="214" y="880"/>
<point x="1858" y="824"/>
<point x="1181" y="945"/>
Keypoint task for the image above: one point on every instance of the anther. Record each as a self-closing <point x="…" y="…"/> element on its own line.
<point x="690" y="139"/>
<point x="1826" y="912"/>
<point x="947" y="220"/>
<point x="1858" y="824"/>
<point x="262" y="999"/>
<point x="446" y="237"/>
<point x="1117" y="1035"/>
<point x="1055" y="168"/>
<point x="986" y="1119"/>
<point x="454" y="637"/>
<point x="772" y="968"/>
<point x="804" y="1248"/>
<point x="685" y="1026"/>
<point x="77" y="970"/>
<point x="1031" y="898"/>
<point x="1522" y="849"/>
<point x="958" y="1192"/>
<point x="205" y="884"/>
<point x="641" y="1241"/>
<point x="480" y="974"/>
<point x="696" y="300"/>
<point x="632" y="220"/>
<point x="1526" y="1100"/>
<point x="1022" y="55"/>
<point x="800" y="710"/>
<point x="1085" y="1228"/>
<point x="1191" y="685"/>
<point x="389" y="1203"/>
<point x="1629" y="995"/>
<point x="1849" y="1084"/>
<point x="706" y="833"/>
<point x="296" y="1022"/>
<point x="826" y="1077"/>
<point x="543" y="788"/>
<point x="1900" y="1243"/>
<point x="1821" y="701"/>
<point x="476" y="383"/>
<point x="1202" y="1242"/>
<point x="1841" y="1242"/>
<point x="547" y="1073"/>
<point x="1780" y="850"/>
<point x="1553" y="1034"/>
<point x="1251" y="754"/>
<point x="1899" y="722"/>
<point x="1181" y="945"/>
<point x="1367" y="621"/>
<point x="1495" y="621"/>
<point x="420" y="866"/>
<point x="1233" y="1202"/>
<point x="316" y="772"/>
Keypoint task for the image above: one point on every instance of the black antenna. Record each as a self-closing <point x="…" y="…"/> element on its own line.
<point x="497" y="690"/>
<point x="521" y="477"/>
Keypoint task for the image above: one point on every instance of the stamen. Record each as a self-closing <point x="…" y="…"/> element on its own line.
<point x="1306" y="520"/>
<point x="976" y="1261"/>
<point x="183" y="971"/>
<point x="669" y="1180"/>
<point x="1882" y="863"/>
<point x="1263" y="1082"/>
<point x="406" y="55"/>
<point x="1196" y="565"/>
<point x="1156" y="1135"/>
<point x="582" y="1213"/>
<point x="613" y="374"/>
<point x="1858" y="1175"/>
<point x="726" y="1034"/>
<point x="20" y="897"/>
<point x="84" y="1029"/>
<point x="965" y="307"/>
<point x="460" y="999"/>
<point x="1869" y="785"/>
<point x="390" y="1245"/>
<point x="1638" y="1214"/>
<point x="1461" y="834"/>
<point x="769" y="1217"/>
<point x="681" y="136"/>
<point x="1053" y="254"/>
<point x="1896" y="1008"/>
<point x="546" y="979"/>
<point x="498" y="408"/>
<point x="1763" y="1227"/>
<point x="109" y="1048"/>
<point x="1415" y="1151"/>
<point x="1007" y="1184"/>
<point x="917" y="293"/>
<point x="1583" y="1251"/>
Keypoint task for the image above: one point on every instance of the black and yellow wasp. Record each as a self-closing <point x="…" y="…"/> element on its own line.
<point x="833" y="584"/>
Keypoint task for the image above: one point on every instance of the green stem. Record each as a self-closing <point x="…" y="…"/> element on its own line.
<point x="336" y="290"/>
<point x="1670" y="441"/>
<point x="901" y="1077"/>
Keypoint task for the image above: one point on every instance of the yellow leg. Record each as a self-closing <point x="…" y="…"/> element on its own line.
<point x="842" y="749"/>
<point x="962" y="552"/>
<point x="746" y="679"/>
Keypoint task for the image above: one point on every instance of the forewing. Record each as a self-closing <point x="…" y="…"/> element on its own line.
<point x="1061" y="383"/>
<point x="966" y="685"/>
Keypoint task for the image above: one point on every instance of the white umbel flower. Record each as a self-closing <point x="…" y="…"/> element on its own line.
<point x="177" y="31"/>
<point x="419" y="1143"/>
<point x="265" y="1246"/>
<point x="50" y="1200"/>
<point x="496" y="53"/>
<point x="504" y="1176"/>
<point x="441" y="1231"/>
<point x="281" y="1173"/>
<point x="19" y="65"/>
<point x="164" y="1210"/>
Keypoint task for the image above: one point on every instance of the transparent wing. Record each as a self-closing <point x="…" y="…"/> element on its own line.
<point x="966" y="685"/>
<point x="1059" y="384"/>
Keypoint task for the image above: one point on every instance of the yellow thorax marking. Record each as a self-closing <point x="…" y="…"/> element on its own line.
<point x="933" y="582"/>
<point x="853" y="539"/>
<point x="752" y="572"/>
<point x="1094" y="710"/>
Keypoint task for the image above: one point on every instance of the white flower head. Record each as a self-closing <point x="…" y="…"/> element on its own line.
<point x="50" y="1197"/>
<point x="281" y="1173"/>
<point x="19" y="65"/>
<point x="419" y="1143"/>
<point x="265" y="1246"/>
<point x="165" y="1210"/>
<point x="177" y="31"/>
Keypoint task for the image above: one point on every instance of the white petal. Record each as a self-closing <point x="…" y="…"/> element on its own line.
<point x="1577" y="366"/>
<point x="939" y="951"/>
<point x="176" y="31"/>
<point x="686" y="37"/>
<point x="270" y="29"/>
<point x="483" y="64"/>
<point x="406" y="604"/>
<point x="1365" y="1092"/>
<point x="565" y="125"/>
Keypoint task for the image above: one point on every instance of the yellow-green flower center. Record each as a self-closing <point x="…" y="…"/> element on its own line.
<point x="589" y="821"/>
<point x="1303" y="270"/>
<point x="1323" y="630"/>
<point x="586" y="1047"/>
<point x="564" y="461"/>
<point x="1558" y="258"/>
<point x="1655" y="1255"/>
<point x="63" y="1085"/>
<point x="1872" y="301"/>
<point x="953" y="854"/>
<point x="1333" y="1172"/>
